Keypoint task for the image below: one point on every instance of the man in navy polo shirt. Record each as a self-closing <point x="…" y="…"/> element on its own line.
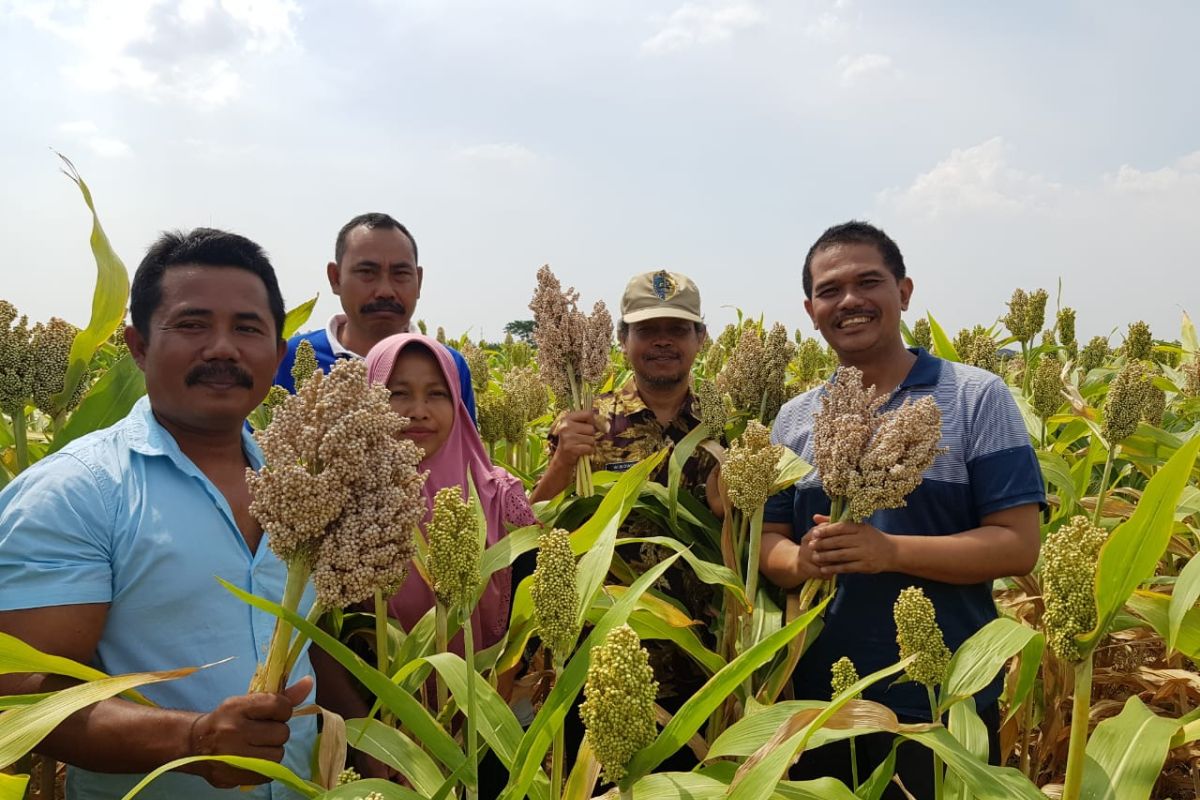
<point x="973" y="519"/>
<point x="376" y="275"/>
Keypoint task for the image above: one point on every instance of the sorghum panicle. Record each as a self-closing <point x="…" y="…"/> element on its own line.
<point x="712" y="409"/>
<point x="1093" y="354"/>
<point x="844" y="676"/>
<point x="918" y="633"/>
<point x="1046" y="386"/>
<point x="1064" y="325"/>
<point x="1138" y="342"/>
<point x="842" y="429"/>
<point x="304" y="365"/>
<point x="49" y="354"/>
<point x="750" y="467"/>
<point x="555" y="593"/>
<point x="744" y="376"/>
<point x="903" y="445"/>
<point x="454" y="549"/>
<point x="1126" y="400"/>
<point x="1069" y="557"/>
<point x="477" y="363"/>
<point x="618" y="709"/>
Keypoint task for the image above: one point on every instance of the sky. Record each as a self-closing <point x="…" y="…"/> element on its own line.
<point x="1002" y="145"/>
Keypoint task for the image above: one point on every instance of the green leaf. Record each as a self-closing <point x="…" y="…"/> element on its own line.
<point x="394" y="748"/>
<point x="942" y="346"/>
<point x="12" y="787"/>
<point x="1125" y="754"/>
<point x="680" y="453"/>
<point x="980" y="657"/>
<point x="706" y="571"/>
<point x="16" y="656"/>
<point x="968" y="729"/>
<point x="268" y="769"/>
<point x="981" y="779"/>
<point x="22" y="728"/>
<point x="880" y="778"/>
<point x="1031" y="665"/>
<point x="406" y="708"/>
<point x="1154" y="609"/>
<point x="18" y="700"/>
<point x="1058" y="474"/>
<point x="696" y="709"/>
<point x="297" y="317"/>
<point x="360" y="789"/>
<point x="1183" y="599"/>
<point x="1131" y="553"/>
<point x="790" y="469"/>
<point x="108" y="401"/>
<point x="108" y="298"/>
<point x="584" y="773"/>
<point x="536" y="741"/>
<point x="752" y="731"/>
<point x="678" y="786"/>
<point x="1187" y="336"/>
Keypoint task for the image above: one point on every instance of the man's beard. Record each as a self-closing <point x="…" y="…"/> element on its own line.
<point x="661" y="381"/>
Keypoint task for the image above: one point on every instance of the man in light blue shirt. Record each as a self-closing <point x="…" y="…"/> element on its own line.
<point x="109" y="549"/>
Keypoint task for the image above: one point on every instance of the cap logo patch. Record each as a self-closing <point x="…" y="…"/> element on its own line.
<point x="664" y="285"/>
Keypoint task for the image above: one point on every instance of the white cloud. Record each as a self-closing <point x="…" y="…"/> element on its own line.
<point x="694" y="24"/>
<point x="855" y="68"/>
<point x="970" y="179"/>
<point x="499" y="152"/>
<point x="188" y="50"/>
<point x="1184" y="174"/>
<point x="89" y="134"/>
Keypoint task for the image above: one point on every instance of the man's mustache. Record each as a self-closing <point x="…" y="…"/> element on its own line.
<point x="376" y="306"/>
<point x="219" y="371"/>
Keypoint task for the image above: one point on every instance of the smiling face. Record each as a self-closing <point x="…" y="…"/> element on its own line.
<point x="419" y="391"/>
<point x="378" y="281"/>
<point x="661" y="350"/>
<point x="212" y="349"/>
<point x="856" y="302"/>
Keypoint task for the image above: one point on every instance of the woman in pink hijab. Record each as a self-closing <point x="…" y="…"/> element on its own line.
<point x="424" y="384"/>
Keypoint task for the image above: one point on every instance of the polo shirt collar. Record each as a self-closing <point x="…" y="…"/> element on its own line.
<point x="146" y="435"/>
<point x="331" y="331"/>
<point x="925" y="371"/>
<point x="632" y="404"/>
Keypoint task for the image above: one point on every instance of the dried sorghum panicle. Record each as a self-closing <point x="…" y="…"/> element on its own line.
<point x="1138" y="342"/>
<point x="842" y="429"/>
<point x="477" y="364"/>
<point x="903" y="445"/>
<point x="339" y="491"/>
<point x="597" y="344"/>
<point x="712" y="409"/>
<point x="454" y="548"/>
<point x="555" y="593"/>
<point x="568" y="341"/>
<point x="15" y="353"/>
<point x="918" y="633"/>
<point x="922" y="334"/>
<point x="49" y="354"/>
<point x="744" y="376"/>
<point x="1064" y="325"/>
<point x="305" y="364"/>
<point x="1046" y="386"/>
<point x="1093" y="354"/>
<point x="618" y="706"/>
<point x="750" y="467"/>
<point x="1069" y="557"/>
<point x="844" y="676"/>
<point x="348" y="775"/>
<point x="1126" y="400"/>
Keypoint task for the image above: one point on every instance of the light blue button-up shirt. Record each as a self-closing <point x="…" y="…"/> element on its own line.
<point x="121" y="516"/>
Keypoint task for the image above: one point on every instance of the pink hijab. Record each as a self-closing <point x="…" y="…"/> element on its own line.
<point x="463" y="452"/>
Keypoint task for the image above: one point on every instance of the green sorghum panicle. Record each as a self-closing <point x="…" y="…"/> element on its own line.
<point x="1155" y="405"/>
<point x="441" y="335"/>
<point x="750" y="467"/>
<point x="15" y="351"/>
<point x="49" y="354"/>
<point x="1064" y="326"/>
<point x="1026" y="313"/>
<point x="778" y="353"/>
<point x="922" y="334"/>
<point x="304" y="365"/>
<point x="348" y="775"/>
<point x="844" y="675"/>
<point x="1046" y="386"/>
<point x="744" y="376"/>
<point x="1138" y="341"/>
<point x="1093" y="354"/>
<point x="477" y="364"/>
<point x="712" y="409"/>
<point x="1069" y="558"/>
<point x="555" y="593"/>
<point x="490" y="409"/>
<point x="422" y="327"/>
<point x="917" y="633"/>
<point x="1126" y="401"/>
<point x="811" y="361"/>
<point x="1192" y="380"/>
<point x="618" y="709"/>
<point x="979" y="350"/>
<point x="454" y="550"/>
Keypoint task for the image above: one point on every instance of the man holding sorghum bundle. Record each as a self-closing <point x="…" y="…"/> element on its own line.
<point x="972" y="518"/>
<point x="109" y="548"/>
<point x="376" y="275"/>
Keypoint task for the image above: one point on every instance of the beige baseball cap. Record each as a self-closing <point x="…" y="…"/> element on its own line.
<point x="660" y="294"/>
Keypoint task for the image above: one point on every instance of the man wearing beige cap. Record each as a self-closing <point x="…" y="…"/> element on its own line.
<point x="660" y="331"/>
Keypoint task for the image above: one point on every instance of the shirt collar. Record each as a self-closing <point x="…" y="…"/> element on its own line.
<point x="631" y="402"/>
<point x="339" y="350"/>
<point x="925" y="371"/>
<point x="147" y="436"/>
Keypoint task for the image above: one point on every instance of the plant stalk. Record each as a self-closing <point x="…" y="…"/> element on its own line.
<point x="559" y="746"/>
<point x="1081" y="705"/>
<point x="442" y="645"/>
<point x="273" y="672"/>
<point x="20" y="440"/>
<point x="853" y="767"/>
<point x="472" y="738"/>
<point x="1108" y="464"/>
<point x="1026" y="737"/>
<point x="937" y="762"/>
<point x="382" y="660"/>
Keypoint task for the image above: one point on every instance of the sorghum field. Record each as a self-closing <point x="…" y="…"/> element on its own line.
<point x="1098" y="645"/>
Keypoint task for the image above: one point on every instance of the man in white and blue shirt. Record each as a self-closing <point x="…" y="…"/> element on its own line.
<point x="974" y="517"/>
<point x="110" y="548"/>
<point x="377" y="276"/>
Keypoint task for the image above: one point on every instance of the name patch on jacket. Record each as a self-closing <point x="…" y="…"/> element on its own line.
<point x="620" y="466"/>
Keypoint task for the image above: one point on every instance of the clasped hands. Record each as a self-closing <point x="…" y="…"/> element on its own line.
<point x="837" y="548"/>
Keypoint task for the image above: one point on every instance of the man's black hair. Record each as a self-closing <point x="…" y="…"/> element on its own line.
<point x="623" y="328"/>
<point x="370" y="221"/>
<point x="204" y="247"/>
<point x="855" y="232"/>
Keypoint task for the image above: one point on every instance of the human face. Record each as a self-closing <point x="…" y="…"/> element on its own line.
<point x="661" y="350"/>
<point x="419" y="392"/>
<point x="378" y="281"/>
<point x="212" y="350"/>
<point x="856" y="302"/>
